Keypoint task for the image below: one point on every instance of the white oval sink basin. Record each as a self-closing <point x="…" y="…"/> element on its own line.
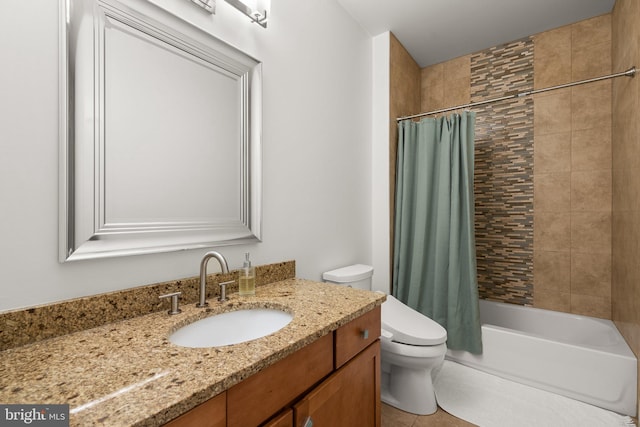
<point x="229" y="328"/>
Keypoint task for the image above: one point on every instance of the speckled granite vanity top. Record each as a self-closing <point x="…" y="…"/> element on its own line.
<point x="128" y="373"/>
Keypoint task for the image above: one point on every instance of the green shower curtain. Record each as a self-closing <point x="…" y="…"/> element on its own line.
<point x="434" y="261"/>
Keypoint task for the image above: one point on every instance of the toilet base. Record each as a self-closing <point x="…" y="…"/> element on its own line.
<point x="410" y="390"/>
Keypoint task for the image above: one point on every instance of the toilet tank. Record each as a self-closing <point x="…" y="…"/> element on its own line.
<point x="355" y="276"/>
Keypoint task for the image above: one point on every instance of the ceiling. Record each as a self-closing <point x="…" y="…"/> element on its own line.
<point x="434" y="31"/>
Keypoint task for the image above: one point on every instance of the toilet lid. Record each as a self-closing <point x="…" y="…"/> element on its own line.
<point x="410" y="327"/>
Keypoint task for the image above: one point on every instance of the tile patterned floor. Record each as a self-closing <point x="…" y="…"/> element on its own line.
<point x="392" y="417"/>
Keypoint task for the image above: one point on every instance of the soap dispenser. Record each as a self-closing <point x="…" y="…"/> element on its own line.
<point x="247" y="279"/>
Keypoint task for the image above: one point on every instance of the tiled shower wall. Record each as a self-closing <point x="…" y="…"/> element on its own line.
<point x="503" y="169"/>
<point x="572" y="170"/>
<point x="625" y="287"/>
<point x="543" y="166"/>
<point x="404" y="100"/>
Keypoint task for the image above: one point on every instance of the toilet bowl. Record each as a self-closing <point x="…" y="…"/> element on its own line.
<point x="412" y="351"/>
<point x="412" y="347"/>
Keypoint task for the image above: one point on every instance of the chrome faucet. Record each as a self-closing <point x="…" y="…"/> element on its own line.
<point x="203" y="274"/>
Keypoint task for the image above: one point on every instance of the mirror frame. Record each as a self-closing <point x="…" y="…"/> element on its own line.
<point x="83" y="231"/>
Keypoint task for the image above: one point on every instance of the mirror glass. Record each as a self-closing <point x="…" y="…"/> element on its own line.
<point x="160" y="134"/>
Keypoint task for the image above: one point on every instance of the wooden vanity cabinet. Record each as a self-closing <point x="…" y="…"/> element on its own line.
<point x="333" y="382"/>
<point x="212" y="413"/>
<point x="349" y="397"/>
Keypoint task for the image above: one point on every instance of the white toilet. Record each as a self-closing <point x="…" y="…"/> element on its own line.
<point x="412" y="347"/>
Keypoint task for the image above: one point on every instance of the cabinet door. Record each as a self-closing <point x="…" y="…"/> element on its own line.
<point x="350" y="397"/>
<point x="212" y="413"/>
<point x="284" y="419"/>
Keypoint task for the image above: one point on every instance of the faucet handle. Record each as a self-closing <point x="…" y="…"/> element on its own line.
<point x="174" y="302"/>
<point x="223" y="290"/>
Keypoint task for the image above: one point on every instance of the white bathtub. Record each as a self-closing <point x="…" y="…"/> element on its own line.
<point x="576" y="356"/>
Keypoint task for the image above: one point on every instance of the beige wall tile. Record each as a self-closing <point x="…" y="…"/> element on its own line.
<point x="591" y="232"/>
<point x="591" y="149"/>
<point x="447" y="84"/>
<point x="591" y="31"/>
<point x="552" y="153"/>
<point x="552" y="231"/>
<point x="625" y="35"/>
<point x="552" y="57"/>
<point x="552" y="271"/>
<point x="556" y="42"/>
<point x="432" y="98"/>
<point x="623" y="308"/>
<point x="570" y="53"/>
<point x="625" y="127"/>
<point x="551" y="192"/>
<point x="432" y="75"/>
<point x="457" y="91"/>
<point x="457" y="68"/>
<point x="626" y="228"/>
<point x="552" y="300"/>
<point x="625" y="276"/>
<point x="591" y="274"/>
<point x="591" y="61"/>
<point x="404" y="76"/>
<point x="588" y="305"/>
<point x="432" y="87"/>
<point x="619" y="199"/>
<point x="625" y="195"/>
<point x="551" y="70"/>
<point x="591" y="105"/>
<point x="625" y="286"/>
<point x="591" y="191"/>
<point x="625" y="152"/>
<point x="552" y="112"/>
<point x="575" y="52"/>
<point x="404" y="99"/>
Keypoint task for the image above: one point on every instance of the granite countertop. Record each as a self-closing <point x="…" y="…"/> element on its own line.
<point x="128" y="373"/>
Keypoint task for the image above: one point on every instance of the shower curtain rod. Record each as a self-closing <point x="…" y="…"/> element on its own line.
<point x="629" y="73"/>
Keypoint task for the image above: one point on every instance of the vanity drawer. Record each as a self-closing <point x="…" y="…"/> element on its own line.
<point x="257" y="398"/>
<point x="356" y="335"/>
<point x="212" y="413"/>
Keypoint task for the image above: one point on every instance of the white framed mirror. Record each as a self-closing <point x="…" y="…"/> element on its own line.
<point x="160" y="134"/>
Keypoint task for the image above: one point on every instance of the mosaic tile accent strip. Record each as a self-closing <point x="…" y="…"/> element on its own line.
<point x="29" y="325"/>
<point x="504" y="172"/>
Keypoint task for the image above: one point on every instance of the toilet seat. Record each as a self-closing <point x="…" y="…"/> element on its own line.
<point x="410" y="327"/>
<point x="417" y="351"/>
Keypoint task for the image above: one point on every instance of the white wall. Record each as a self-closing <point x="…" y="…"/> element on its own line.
<point x="381" y="48"/>
<point x="317" y="150"/>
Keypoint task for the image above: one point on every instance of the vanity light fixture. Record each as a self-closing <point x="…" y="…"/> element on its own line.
<point x="256" y="10"/>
